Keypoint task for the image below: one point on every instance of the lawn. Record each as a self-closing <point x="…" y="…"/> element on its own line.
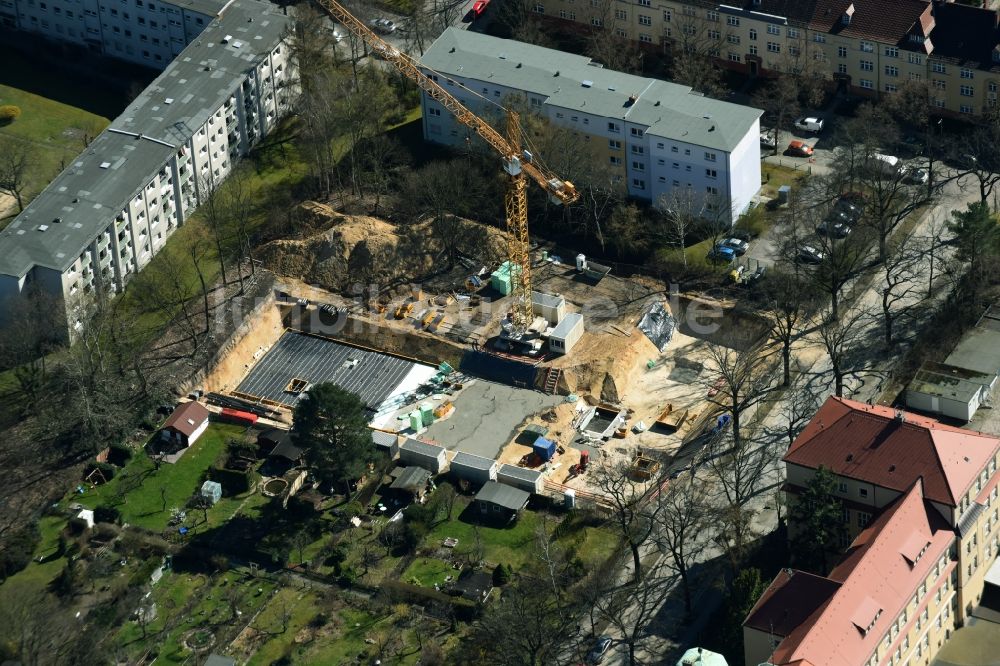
<point x="55" y="131"/>
<point x="428" y="572"/>
<point x="146" y="496"/>
<point x="775" y="176"/>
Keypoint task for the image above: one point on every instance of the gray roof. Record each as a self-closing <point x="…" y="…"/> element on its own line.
<point x="979" y="349"/>
<point x="421" y="448"/>
<point x="411" y="478"/>
<point x="317" y="360"/>
<point x="207" y="7"/>
<point x="470" y="461"/>
<point x="568" y="323"/>
<point x="206" y="73"/>
<point x="577" y="83"/>
<point x="383" y="439"/>
<point x="508" y="497"/>
<point x="515" y="472"/>
<point x="941" y="380"/>
<point x="87" y="197"/>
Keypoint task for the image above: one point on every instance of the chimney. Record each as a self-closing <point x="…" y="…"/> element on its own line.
<point x="899" y="416"/>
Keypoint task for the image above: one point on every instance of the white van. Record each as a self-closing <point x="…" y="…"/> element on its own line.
<point x="886" y="164"/>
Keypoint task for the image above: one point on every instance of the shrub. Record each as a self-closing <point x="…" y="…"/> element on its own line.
<point x="18" y="551"/>
<point x="413" y="535"/>
<point x="107" y="514"/>
<point x="107" y="471"/>
<point x="119" y="454"/>
<point x="9" y="113"/>
<point x="501" y="575"/>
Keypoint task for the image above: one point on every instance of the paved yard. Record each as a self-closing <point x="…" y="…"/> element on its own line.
<point x="975" y="644"/>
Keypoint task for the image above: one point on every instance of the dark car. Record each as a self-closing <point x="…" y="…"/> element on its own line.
<point x="810" y="255"/>
<point x="596" y="654"/>
<point x="833" y="228"/>
<point x="846" y="207"/>
<point x="722" y="254"/>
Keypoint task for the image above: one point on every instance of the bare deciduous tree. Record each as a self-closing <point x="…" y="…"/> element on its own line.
<point x="15" y="167"/>
<point x="840" y="338"/>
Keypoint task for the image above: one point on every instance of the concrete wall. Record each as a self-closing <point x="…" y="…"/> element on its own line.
<point x="934" y="404"/>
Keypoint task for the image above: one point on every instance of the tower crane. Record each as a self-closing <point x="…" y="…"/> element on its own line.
<point x="516" y="163"/>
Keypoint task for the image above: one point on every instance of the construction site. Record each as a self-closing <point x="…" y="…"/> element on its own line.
<point x="602" y="373"/>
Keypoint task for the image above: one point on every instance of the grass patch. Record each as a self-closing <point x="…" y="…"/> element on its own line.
<point x="55" y="131"/>
<point x="775" y="176"/>
<point x="428" y="572"/>
<point x="146" y="496"/>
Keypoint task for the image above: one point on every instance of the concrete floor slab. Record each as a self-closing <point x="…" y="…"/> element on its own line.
<point x="487" y="416"/>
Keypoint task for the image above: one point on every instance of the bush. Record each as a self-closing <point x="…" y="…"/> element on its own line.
<point x="413" y="535"/>
<point x="502" y="574"/>
<point x="18" y="551"/>
<point x="9" y="113"/>
<point x="107" y="471"/>
<point x="119" y="454"/>
<point x="107" y="514"/>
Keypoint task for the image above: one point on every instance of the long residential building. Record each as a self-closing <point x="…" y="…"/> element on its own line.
<point x="921" y="531"/>
<point x="868" y="46"/>
<point x="150" y="33"/>
<point x="666" y="142"/>
<point x="104" y="217"/>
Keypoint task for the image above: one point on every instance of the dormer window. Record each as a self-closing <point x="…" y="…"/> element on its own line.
<point x="996" y="53"/>
<point x="845" y="18"/>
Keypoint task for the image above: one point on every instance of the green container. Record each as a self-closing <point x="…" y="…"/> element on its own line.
<point x="427" y="413"/>
<point x="416" y="422"/>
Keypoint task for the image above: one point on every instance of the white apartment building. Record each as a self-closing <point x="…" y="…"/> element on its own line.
<point x="148" y="32"/>
<point x="663" y="139"/>
<point x="104" y="217"/>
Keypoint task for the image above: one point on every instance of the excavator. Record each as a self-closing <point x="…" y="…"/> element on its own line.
<point x="516" y="162"/>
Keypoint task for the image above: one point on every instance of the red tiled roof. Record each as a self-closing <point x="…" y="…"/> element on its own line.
<point x="887" y="21"/>
<point x="790" y="600"/>
<point x="874" y="583"/>
<point x="186" y="418"/>
<point x="869" y="443"/>
<point x="966" y="35"/>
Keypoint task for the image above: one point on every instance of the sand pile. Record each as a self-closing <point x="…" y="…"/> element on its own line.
<point x="605" y="365"/>
<point x="357" y="249"/>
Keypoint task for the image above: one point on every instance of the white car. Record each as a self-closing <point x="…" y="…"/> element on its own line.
<point x="738" y="246"/>
<point x="767" y="140"/>
<point x="383" y="25"/>
<point x="809" y="124"/>
<point x="810" y="255"/>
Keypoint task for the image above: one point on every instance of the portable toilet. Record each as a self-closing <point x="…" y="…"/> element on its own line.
<point x="212" y="491"/>
<point x="544" y="448"/>
<point x="569" y="498"/>
<point x="416" y="422"/>
<point x="581" y="263"/>
<point x="426" y="413"/>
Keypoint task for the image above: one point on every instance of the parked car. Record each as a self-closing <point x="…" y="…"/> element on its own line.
<point x="742" y="234"/>
<point x="809" y="124"/>
<point x="479" y="7"/>
<point x="596" y="654"/>
<point x="857" y="199"/>
<point x="799" y="149"/>
<point x="767" y="140"/>
<point x="834" y="227"/>
<point x="810" y="255"/>
<point x="750" y="278"/>
<point x="738" y="245"/>
<point x="721" y="254"/>
<point x="850" y="210"/>
<point x="915" y="175"/>
<point x="383" y="25"/>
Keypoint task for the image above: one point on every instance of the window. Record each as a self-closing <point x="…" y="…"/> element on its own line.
<point x="842" y="68"/>
<point x="666" y="16"/>
<point x="841" y="51"/>
<point x="890" y="88"/>
<point x="966" y="91"/>
<point x="714" y="191"/>
<point x="710" y="157"/>
<point x="914" y="76"/>
<point x="965" y="108"/>
<point x="613" y="128"/>
<point x="867" y="47"/>
<point x="621" y="14"/>
<point x="638" y="166"/>
<point x="794" y="51"/>
<point x="645" y="20"/>
<point x="914" y="59"/>
<point x="863" y="519"/>
<point x="673" y="149"/>
<point x="638" y="183"/>
<point x="687" y="168"/>
<point x="638" y="150"/>
<point x="819" y="39"/>
<point x="614" y="144"/>
<point x="636" y="131"/>
<point x="867" y="66"/>
<point x="965" y="73"/>
<point x="891" y="70"/>
<point x="891" y="52"/>
<point x="938" y="67"/>
<point x="714" y="34"/>
<point x="734" y="57"/>
<point x="753" y="49"/>
<point x="434" y="112"/>
<point x="733" y="20"/>
<point x="867" y="84"/>
<point x="711" y="173"/>
<point x="774" y="47"/>
<point x="645" y="3"/>
<point x="992" y="88"/>
<point x="863" y="492"/>
<point x="733" y="39"/>
<point x="677" y="165"/>
<point x="713" y="16"/>
<point x="687" y="151"/>
<point x="615" y="160"/>
<point x="596" y="22"/>
<point x="939" y="84"/>
<point x="539" y="8"/>
<point x="773" y="29"/>
<point x="753" y="34"/>
<point x="793" y="33"/>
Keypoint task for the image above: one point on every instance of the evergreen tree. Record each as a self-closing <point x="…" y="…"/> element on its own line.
<point x="331" y="426"/>
<point x="817" y="522"/>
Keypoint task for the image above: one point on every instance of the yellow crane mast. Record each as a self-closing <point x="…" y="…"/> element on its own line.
<point x="515" y="163"/>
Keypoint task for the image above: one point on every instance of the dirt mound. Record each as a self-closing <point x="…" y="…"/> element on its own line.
<point x="605" y="364"/>
<point x="357" y="249"/>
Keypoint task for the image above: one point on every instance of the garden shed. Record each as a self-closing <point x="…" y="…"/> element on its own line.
<point x="413" y="481"/>
<point x="387" y="442"/>
<point x="431" y="457"/>
<point x="472" y="468"/>
<point x="528" y="480"/>
<point x="501" y="501"/>
<point x="184" y="426"/>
